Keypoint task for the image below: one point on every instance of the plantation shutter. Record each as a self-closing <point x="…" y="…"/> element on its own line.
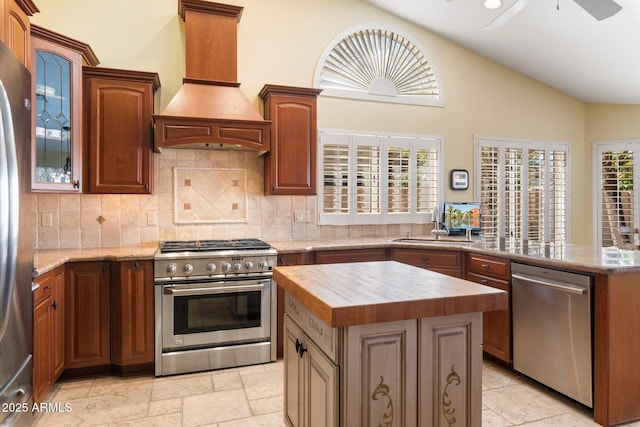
<point x="523" y="189"/>
<point x="426" y="179"/>
<point x="558" y="195"/>
<point x="513" y="193"/>
<point x="618" y="188"/>
<point x="490" y="197"/>
<point x="378" y="178"/>
<point x="335" y="169"/>
<point x="536" y="193"/>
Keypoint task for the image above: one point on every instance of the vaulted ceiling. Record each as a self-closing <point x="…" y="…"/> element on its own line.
<point x="553" y="41"/>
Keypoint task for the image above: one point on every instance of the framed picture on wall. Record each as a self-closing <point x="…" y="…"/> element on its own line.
<point x="459" y="179"/>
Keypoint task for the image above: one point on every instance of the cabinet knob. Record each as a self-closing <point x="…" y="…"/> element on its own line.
<point x="300" y="348"/>
<point x="485" y="266"/>
<point x="55" y="305"/>
<point x="425" y="258"/>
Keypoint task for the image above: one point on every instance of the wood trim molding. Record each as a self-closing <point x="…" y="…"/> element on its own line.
<point x="209" y="7"/>
<point x="118" y="74"/>
<point x="88" y="55"/>
<point x="28" y="6"/>
<point x="269" y="89"/>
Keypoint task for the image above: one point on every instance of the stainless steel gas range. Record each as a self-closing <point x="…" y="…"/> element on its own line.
<point x="215" y="305"/>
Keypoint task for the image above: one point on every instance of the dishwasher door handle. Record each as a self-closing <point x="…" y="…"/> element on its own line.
<point x="554" y="285"/>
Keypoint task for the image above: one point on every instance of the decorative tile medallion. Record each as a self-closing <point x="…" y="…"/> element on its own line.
<point x="209" y="195"/>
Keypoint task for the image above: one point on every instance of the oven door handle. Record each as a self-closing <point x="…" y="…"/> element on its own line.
<point x="213" y="290"/>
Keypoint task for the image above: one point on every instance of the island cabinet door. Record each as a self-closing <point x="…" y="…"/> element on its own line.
<point x="450" y="383"/>
<point x="311" y="381"/>
<point x="381" y="375"/>
<point x="293" y="374"/>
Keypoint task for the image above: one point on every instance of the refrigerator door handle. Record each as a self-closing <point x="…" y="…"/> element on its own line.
<point x="8" y="210"/>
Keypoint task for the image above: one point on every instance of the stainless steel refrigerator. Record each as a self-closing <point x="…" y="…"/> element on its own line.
<point x="16" y="243"/>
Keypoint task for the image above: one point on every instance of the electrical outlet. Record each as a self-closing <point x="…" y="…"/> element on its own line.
<point x="152" y="218"/>
<point x="301" y="216"/>
<point x="46" y="219"/>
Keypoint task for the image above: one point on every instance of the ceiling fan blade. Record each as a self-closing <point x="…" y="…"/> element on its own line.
<point x="505" y="16"/>
<point x="599" y="9"/>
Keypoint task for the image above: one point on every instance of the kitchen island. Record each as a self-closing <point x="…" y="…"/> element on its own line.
<point x="382" y="343"/>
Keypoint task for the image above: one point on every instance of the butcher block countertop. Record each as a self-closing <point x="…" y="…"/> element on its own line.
<point x="382" y="291"/>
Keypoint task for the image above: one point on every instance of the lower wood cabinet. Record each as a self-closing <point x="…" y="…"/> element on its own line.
<point x="496" y="330"/>
<point x="87" y="315"/>
<point x="48" y="332"/>
<point x="132" y="317"/>
<point x="109" y="317"/>
<point x="447" y="262"/>
<point x="418" y="372"/>
<point x="351" y="255"/>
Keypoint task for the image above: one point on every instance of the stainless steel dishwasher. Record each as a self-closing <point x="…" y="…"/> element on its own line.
<point x="552" y="330"/>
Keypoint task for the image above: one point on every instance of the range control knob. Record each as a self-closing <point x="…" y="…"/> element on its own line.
<point x="263" y="265"/>
<point x="211" y="268"/>
<point x="187" y="269"/>
<point x="248" y="265"/>
<point x="226" y="267"/>
<point x="237" y="267"/>
<point x="171" y="269"/>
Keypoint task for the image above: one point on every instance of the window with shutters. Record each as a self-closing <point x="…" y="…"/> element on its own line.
<point x="378" y="178"/>
<point x="617" y="188"/>
<point x="523" y="189"/>
<point x="377" y="63"/>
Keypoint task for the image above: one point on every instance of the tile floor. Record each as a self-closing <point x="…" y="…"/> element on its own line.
<point x="252" y="397"/>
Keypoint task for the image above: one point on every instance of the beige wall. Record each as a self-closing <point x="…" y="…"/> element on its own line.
<point x="280" y="42"/>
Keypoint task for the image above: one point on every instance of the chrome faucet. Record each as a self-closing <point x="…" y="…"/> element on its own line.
<point x="468" y="229"/>
<point x="435" y="217"/>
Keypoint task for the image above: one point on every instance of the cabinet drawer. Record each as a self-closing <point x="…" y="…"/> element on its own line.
<point x="429" y="259"/>
<point x="46" y="287"/>
<point x="351" y="255"/>
<point x="296" y="258"/>
<point x="489" y="281"/>
<point x="489" y="266"/>
<point x="324" y="336"/>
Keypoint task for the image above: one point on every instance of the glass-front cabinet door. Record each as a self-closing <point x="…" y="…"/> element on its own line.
<point x="57" y="115"/>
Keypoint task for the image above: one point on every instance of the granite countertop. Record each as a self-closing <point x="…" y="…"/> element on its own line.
<point x="48" y="259"/>
<point x="560" y="255"/>
<point x="360" y="293"/>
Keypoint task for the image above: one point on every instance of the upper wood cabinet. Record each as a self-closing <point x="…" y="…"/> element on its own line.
<point x="56" y="64"/>
<point x="14" y="17"/>
<point x="118" y="130"/>
<point x="290" y="166"/>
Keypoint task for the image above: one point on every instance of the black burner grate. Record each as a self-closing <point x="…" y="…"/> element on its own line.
<point x="212" y="245"/>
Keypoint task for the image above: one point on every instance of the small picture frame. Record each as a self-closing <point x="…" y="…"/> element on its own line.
<point x="459" y="179"/>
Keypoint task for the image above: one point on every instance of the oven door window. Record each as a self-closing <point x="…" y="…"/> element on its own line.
<point x="217" y="312"/>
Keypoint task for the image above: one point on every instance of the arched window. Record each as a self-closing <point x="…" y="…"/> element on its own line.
<point x="376" y="63"/>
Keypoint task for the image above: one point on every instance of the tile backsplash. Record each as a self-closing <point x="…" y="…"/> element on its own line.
<point x="90" y="220"/>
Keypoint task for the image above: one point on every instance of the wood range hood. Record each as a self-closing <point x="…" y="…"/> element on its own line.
<point x="210" y="111"/>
